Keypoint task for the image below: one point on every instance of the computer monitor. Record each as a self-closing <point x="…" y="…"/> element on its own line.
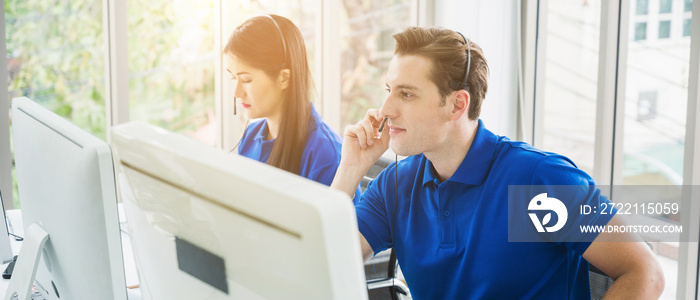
<point x="206" y="224"/>
<point x="65" y="176"/>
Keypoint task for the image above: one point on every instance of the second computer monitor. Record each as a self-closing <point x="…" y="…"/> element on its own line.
<point x="206" y="224"/>
<point x="66" y="187"/>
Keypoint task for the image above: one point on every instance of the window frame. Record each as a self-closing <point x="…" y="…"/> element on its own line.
<point x="611" y="85"/>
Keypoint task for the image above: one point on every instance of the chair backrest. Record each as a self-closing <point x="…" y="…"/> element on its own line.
<point x="381" y="269"/>
<point x="600" y="283"/>
<point x="374" y="171"/>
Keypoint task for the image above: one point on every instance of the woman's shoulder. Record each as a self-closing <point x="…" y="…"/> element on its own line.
<point x="323" y="138"/>
<point x="256" y="125"/>
<point x="254" y="128"/>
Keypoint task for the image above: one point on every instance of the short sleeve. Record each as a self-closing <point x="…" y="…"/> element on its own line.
<point x="372" y="212"/>
<point x="561" y="180"/>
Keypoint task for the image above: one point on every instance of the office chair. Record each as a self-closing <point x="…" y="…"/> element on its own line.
<point x="600" y="283"/>
<point x="381" y="270"/>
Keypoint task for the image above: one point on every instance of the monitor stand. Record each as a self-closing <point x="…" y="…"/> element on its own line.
<point x="5" y="247"/>
<point x="27" y="262"/>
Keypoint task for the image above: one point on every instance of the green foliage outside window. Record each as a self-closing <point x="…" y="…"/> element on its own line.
<point x="55" y="57"/>
<point x="171" y="65"/>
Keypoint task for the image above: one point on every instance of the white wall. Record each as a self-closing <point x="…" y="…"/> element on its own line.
<point x="492" y="25"/>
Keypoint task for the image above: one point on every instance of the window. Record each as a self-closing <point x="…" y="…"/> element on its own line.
<point x="366" y="49"/>
<point x="642" y="7"/>
<point x="653" y="136"/>
<point x="665" y="6"/>
<point x="686" y="27"/>
<point x="646" y="106"/>
<point x="55" y="56"/>
<point x="640" y="31"/>
<point x="688" y="5"/>
<point x="571" y="77"/>
<point x="664" y="29"/>
<point x="171" y="65"/>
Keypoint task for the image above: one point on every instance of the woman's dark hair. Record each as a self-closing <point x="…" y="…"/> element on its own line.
<point x="261" y="44"/>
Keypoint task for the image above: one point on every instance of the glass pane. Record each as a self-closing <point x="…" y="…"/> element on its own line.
<point x="55" y="56"/>
<point x="642" y="7"/>
<point x="664" y="29"/>
<point x="665" y="6"/>
<point x="640" y="31"/>
<point x="654" y="127"/>
<point x="571" y="70"/>
<point x="686" y="27"/>
<point x="171" y="65"/>
<point x="366" y="49"/>
<point x="688" y="5"/>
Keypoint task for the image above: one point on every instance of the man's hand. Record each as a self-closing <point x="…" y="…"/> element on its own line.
<point x="363" y="144"/>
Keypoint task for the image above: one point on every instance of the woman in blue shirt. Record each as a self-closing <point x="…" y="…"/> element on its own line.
<point x="266" y="58"/>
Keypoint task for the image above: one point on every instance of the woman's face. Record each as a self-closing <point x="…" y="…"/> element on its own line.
<point x="259" y="94"/>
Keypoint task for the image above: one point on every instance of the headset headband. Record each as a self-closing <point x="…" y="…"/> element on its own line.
<point x="456" y="85"/>
<point x="284" y="44"/>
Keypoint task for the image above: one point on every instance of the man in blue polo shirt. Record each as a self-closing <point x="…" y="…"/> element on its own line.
<point x="453" y="208"/>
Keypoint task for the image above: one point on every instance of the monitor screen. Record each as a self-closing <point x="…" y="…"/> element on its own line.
<point x="206" y="224"/>
<point x="65" y="179"/>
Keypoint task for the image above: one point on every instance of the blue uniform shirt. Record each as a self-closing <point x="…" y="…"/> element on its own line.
<point x="321" y="155"/>
<point x="451" y="237"/>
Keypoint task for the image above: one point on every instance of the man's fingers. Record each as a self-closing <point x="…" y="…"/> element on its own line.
<point x="358" y="132"/>
<point x="369" y="131"/>
<point x="372" y="115"/>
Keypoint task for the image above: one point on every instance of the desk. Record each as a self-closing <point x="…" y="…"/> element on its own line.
<point x="14" y="218"/>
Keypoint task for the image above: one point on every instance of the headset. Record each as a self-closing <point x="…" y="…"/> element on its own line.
<point x="284" y="58"/>
<point x="284" y="62"/>
<point x="284" y="43"/>
<point x="456" y="85"/>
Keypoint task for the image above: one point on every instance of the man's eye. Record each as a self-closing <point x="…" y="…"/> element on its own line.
<point x="406" y="95"/>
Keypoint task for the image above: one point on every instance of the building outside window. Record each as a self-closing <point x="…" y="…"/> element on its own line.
<point x="664" y="29"/>
<point x="642" y="7"/>
<point x="640" y="31"/>
<point x="665" y="6"/>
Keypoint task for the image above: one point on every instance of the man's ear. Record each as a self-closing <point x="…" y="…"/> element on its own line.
<point x="283" y="78"/>
<point x="460" y="104"/>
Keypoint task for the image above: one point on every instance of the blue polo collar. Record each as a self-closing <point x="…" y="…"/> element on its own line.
<point x="476" y="163"/>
